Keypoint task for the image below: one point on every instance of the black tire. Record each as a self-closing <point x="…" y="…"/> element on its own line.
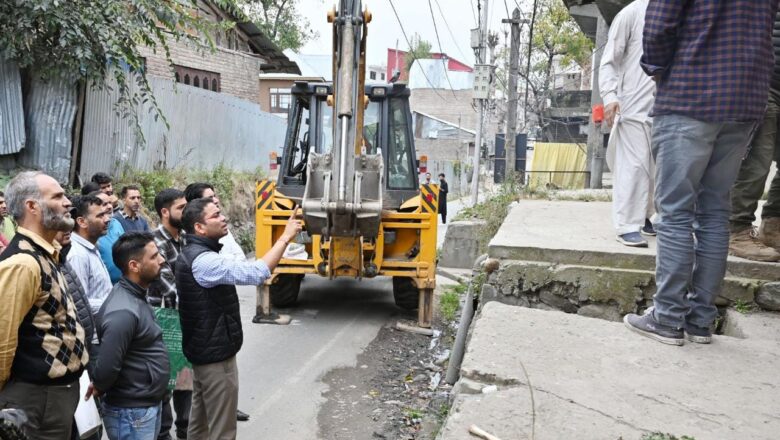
<point x="284" y="292"/>
<point x="406" y="294"/>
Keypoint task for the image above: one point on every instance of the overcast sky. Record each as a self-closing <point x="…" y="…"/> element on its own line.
<point x="384" y="30"/>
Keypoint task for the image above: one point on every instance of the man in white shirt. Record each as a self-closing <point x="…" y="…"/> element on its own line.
<point x="92" y="220"/>
<point x="628" y="95"/>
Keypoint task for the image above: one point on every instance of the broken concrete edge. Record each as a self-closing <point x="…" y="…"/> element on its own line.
<point x="450" y="274"/>
<point x="737" y="268"/>
<point x="606" y="293"/>
<point x="462" y="243"/>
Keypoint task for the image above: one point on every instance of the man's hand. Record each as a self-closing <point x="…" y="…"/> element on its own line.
<point x="92" y="391"/>
<point x="293" y="227"/>
<point x="610" y="110"/>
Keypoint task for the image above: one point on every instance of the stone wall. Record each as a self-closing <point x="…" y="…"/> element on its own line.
<point x="238" y="71"/>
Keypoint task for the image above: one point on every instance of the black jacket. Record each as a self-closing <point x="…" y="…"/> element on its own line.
<point x="210" y="318"/>
<point x="133" y="368"/>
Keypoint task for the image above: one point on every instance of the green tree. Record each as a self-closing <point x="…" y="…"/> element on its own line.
<point x="94" y="41"/>
<point x="420" y="50"/>
<point x="281" y="21"/>
<point x="557" y="41"/>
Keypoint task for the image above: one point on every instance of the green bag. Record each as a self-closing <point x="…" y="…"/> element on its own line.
<point x="171" y="328"/>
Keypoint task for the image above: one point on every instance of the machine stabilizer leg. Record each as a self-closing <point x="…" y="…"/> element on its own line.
<point x="425" y="309"/>
<point x="263" y="313"/>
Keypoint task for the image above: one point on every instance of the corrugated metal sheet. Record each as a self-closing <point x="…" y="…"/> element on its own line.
<point x="206" y="128"/>
<point x="49" y="113"/>
<point x="11" y="109"/>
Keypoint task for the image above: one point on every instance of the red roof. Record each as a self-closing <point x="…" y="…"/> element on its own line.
<point x="453" y="65"/>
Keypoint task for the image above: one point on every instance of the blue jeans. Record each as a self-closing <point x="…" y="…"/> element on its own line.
<point x="132" y="423"/>
<point x="696" y="165"/>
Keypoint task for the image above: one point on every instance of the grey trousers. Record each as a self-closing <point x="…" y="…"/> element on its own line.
<point x="754" y="171"/>
<point x="49" y="409"/>
<point x="214" y="401"/>
<point x="696" y="164"/>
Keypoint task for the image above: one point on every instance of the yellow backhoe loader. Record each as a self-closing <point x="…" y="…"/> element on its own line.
<point x="349" y="162"/>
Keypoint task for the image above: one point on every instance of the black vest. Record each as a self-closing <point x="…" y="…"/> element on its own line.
<point x="210" y="318"/>
<point x="51" y="342"/>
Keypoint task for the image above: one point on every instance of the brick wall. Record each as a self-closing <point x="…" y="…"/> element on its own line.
<point x="238" y="71"/>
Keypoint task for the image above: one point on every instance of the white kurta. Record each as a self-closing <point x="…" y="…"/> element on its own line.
<point x="622" y="80"/>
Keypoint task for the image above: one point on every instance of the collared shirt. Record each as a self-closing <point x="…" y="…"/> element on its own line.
<point x="85" y="261"/>
<point x="211" y="269"/>
<point x="20" y="278"/>
<point x="106" y="243"/>
<point x="162" y="291"/>
<point x="714" y="57"/>
<point x="621" y="79"/>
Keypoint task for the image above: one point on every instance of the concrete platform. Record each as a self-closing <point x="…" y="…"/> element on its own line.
<point x="565" y="376"/>
<point x="568" y="252"/>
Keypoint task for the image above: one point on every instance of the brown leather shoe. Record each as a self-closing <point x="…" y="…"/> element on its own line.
<point x="745" y="244"/>
<point x="769" y="232"/>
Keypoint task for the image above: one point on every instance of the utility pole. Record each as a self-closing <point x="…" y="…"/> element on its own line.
<point x="483" y="24"/>
<point x="528" y="67"/>
<point x="596" y="151"/>
<point x="511" y="112"/>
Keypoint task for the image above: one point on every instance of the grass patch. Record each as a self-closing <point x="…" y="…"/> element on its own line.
<point x="744" y="307"/>
<point x="450" y="301"/>
<point x="493" y="211"/>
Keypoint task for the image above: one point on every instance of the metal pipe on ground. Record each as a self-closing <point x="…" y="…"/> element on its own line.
<point x="459" y="347"/>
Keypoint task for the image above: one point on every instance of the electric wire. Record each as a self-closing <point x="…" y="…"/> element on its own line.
<point x="446" y="69"/>
<point x="403" y="31"/>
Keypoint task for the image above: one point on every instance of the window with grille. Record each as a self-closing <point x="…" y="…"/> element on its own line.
<point x="197" y="78"/>
<point x="372" y="75"/>
<point x="280" y="100"/>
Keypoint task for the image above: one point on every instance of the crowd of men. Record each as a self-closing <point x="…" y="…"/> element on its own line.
<point x="81" y="276"/>
<point x="692" y="95"/>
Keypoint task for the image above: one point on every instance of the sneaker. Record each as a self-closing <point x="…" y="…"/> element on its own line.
<point x="699" y="335"/>
<point x="745" y="244"/>
<point x="632" y="239"/>
<point x="646" y="326"/>
<point x="648" y="229"/>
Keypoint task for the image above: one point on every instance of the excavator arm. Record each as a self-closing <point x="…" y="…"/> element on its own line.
<point x="344" y="186"/>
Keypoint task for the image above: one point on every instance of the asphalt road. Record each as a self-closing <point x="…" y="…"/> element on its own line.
<point x="280" y="367"/>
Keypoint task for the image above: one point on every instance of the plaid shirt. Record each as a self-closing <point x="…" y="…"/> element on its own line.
<point x="714" y="57"/>
<point x="162" y="291"/>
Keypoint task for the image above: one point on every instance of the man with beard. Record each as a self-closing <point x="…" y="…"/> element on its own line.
<point x="42" y="343"/>
<point x="169" y="204"/>
<point x="84" y="259"/>
<point x="130" y="215"/>
<point x="133" y="368"/>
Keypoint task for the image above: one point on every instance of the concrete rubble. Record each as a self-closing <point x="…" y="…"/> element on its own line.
<point x="564" y="376"/>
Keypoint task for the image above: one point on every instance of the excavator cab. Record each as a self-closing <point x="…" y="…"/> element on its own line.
<point x="349" y="163"/>
<point x="387" y="129"/>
